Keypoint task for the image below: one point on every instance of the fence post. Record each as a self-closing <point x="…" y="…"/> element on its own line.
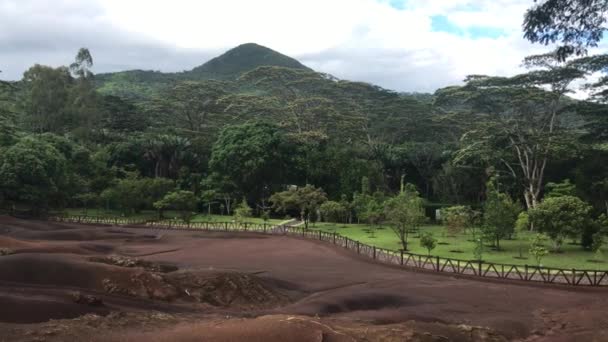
<point x="437" y="264"/>
<point x="573" y="276"/>
<point x="358" y="248"/>
<point x="526" y="269"/>
<point x="319" y="235"/>
<point x="401" y="257"/>
<point x="374" y="252"/>
<point x="479" y="268"/>
<point x="334" y="238"/>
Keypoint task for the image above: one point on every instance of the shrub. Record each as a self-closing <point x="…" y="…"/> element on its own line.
<point x="561" y="217"/>
<point x="456" y="218"/>
<point x="478" y="250"/>
<point x="182" y="201"/>
<point x="537" y="248"/>
<point x="598" y="242"/>
<point x="242" y="211"/>
<point x="500" y="215"/>
<point x="333" y="211"/>
<point x="428" y="241"/>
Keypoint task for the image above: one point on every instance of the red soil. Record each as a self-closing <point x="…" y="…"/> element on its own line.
<point x="286" y="280"/>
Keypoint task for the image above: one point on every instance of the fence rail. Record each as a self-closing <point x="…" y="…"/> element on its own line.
<point x="98" y="220"/>
<point x="529" y="273"/>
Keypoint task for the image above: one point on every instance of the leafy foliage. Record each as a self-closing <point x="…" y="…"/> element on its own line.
<point x="457" y="218"/>
<point x="333" y="211"/>
<point x="428" y="241"/>
<point x="560" y="217"/>
<point x="405" y="213"/>
<point x="242" y="211"/>
<point x="182" y="201"/>
<point x="577" y="24"/>
<point x="33" y="172"/>
<point x="133" y="194"/>
<point x="252" y="156"/>
<point x="306" y="200"/>
<point x="537" y="248"/>
<point x="500" y="215"/>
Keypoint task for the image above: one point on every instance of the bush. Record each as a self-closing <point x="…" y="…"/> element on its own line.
<point x="500" y="215"/>
<point x="333" y="212"/>
<point x="182" y="201"/>
<point x="456" y="218"/>
<point x="561" y="217"/>
<point x="428" y="241"/>
<point x="133" y="194"/>
<point x="537" y="248"/>
<point x="242" y="211"/>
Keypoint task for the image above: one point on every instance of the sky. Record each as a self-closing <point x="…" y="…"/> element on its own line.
<point x="404" y="45"/>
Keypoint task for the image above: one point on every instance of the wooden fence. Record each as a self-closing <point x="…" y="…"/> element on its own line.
<point x="547" y="275"/>
<point x="121" y="221"/>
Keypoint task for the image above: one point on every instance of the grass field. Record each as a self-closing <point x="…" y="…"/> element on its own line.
<point x="461" y="247"/>
<point x="151" y="214"/>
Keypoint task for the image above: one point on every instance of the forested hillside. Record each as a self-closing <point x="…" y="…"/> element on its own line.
<point x="140" y="84"/>
<point x="251" y="122"/>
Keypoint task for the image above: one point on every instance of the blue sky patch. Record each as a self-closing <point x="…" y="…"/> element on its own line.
<point x="398" y="4"/>
<point x="486" y="32"/>
<point x="441" y="23"/>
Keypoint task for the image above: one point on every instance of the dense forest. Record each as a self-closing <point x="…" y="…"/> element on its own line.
<point x="253" y="122"/>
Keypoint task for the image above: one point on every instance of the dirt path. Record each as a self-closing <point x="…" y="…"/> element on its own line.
<point x="322" y="281"/>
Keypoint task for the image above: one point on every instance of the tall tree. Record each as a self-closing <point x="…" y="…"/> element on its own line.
<point x="34" y="173"/>
<point x="46" y="98"/>
<point x="518" y="122"/>
<point x="84" y="101"/>
<point x="192" y="106"/>
<point x="254" y="156"/>
<point x="166" y="152"/>
<point x="81" y="67"/>
<point x="576" y="24"/>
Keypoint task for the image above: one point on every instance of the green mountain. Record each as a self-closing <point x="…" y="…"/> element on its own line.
<point x="241" y="59"/>
<point x="141" y="84"/>
<point x="252" y="81"/>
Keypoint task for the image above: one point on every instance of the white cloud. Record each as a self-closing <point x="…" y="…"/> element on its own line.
<point x="363" y="40"/>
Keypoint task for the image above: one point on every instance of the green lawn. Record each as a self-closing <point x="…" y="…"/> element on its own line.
<point x="151" y="214"/>
<point x="460" y="247"/>
<point x="220" y="218"/>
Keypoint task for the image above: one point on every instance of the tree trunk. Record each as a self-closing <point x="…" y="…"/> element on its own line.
<point x="227" y="200"/>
